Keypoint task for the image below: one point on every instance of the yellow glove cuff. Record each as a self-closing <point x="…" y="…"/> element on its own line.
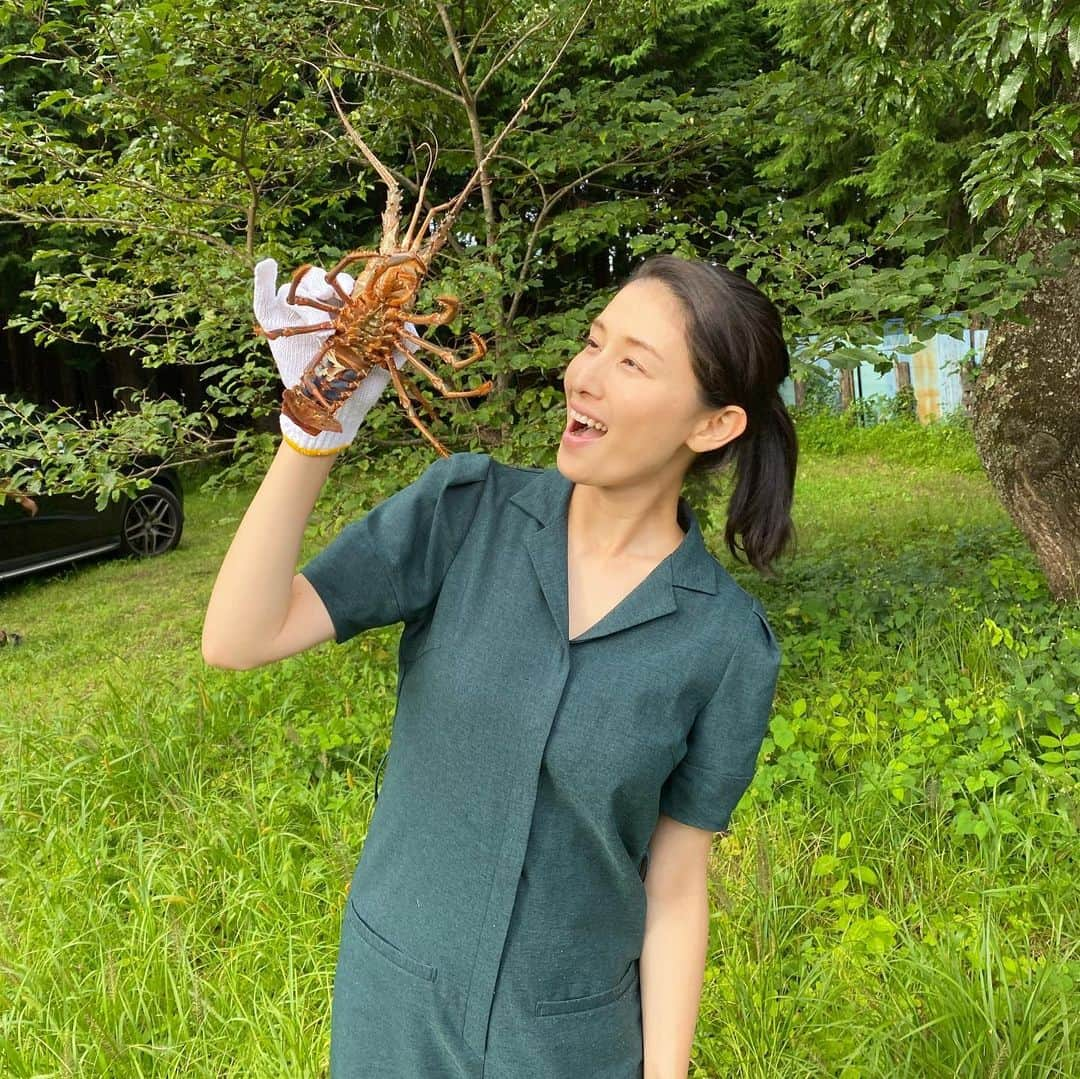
<point x="310" y="452"/>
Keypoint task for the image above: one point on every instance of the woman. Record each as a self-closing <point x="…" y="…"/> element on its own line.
<point x="582" y="692"/>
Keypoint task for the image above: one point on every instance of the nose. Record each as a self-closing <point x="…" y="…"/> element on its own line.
<point x="584" y="374"/>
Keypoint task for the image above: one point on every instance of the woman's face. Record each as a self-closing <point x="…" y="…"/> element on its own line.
<point x="634" y="374"/>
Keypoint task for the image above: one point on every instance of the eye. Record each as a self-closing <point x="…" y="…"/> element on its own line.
<point x="589" y="342"/>
<point x="626" y="359"/>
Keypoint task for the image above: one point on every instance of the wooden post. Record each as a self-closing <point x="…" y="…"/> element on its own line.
<point x="904" y="389"/>
<point x="903" y="375"/>
<point x="847" y="389"/>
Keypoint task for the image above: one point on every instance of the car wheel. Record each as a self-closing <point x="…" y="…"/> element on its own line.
<point x="153" y="521"/>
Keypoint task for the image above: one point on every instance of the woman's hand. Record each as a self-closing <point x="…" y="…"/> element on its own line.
<point x="292" y="354"/>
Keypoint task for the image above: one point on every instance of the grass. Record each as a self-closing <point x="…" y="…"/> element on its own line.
<point x="896" y="897"/>
<point x="176" y="839"/>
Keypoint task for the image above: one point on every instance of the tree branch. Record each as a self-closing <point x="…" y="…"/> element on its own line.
<point x="510" y="53"/>
<point x="542" y="214"/>
<point x="491" y="226"/>
<point x="398" y="73"/>
<point x="495" y="12"/>
<point x="451" y="214"/>
<point x="459" y="64"/>
<point x="115" y="224"/>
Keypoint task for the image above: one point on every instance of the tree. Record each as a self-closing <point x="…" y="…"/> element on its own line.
<point x="1026" y="413"/>
<point x="968" y="111"/>
<point x="166" y="141"/>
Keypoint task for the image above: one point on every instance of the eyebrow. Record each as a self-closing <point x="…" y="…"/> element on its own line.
<point x="633" y="341"/>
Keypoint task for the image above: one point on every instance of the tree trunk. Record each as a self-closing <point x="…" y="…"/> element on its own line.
<point x="1026" y="418"/>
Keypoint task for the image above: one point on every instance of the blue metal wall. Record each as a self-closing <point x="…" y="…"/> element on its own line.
<point x="935" y="377"/>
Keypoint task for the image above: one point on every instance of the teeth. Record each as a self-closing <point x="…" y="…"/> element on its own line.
<point x="581" y="418"/>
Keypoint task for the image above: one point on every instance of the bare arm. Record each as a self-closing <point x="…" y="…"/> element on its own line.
<point x="675" y="948"/>
<point x="260" y="609"/>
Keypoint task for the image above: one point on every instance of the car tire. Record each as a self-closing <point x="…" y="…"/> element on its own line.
<point x="152" y="524"/>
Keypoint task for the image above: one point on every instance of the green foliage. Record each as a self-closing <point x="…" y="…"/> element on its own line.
<point x="838" y="301"/>
<point x="38" y="451"/>
<point x="156" y="166"/>
<point x="944" y="443"/>
<point x="877" y="408"/>
<point x="979" y="696"/>
<point x="859" y="167"/>
<point x="940" y="97"/>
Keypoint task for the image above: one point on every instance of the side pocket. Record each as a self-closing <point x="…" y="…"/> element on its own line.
<point x="391" y="952"/>
<point x="378" y="772"/>
<point x="643" y="867"/>
<point x="594" y="1000"/>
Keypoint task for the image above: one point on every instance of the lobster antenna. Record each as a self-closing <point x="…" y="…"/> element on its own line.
<point x="432" y="155"/>
<point x="392" y="214"/>
<point x="443" y="231"/>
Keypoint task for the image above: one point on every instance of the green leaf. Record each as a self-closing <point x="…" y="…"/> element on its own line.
<point x="1008" y="91"/>
<point x="824" y="864"/>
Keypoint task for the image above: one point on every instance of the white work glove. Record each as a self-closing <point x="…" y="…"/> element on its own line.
<point x="293" y="354"/>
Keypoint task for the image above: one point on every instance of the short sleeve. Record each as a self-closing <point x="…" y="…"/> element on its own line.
<point x="726" y="736"/>
<point x="389" y="565"/>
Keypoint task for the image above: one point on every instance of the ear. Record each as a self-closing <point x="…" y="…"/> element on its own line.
<point x="718" y="428"/>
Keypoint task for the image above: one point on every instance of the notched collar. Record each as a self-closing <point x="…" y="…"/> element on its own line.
<point x="546" y="497"/>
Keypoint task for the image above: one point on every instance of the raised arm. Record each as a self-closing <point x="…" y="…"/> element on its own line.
<point x="260" y="609"/>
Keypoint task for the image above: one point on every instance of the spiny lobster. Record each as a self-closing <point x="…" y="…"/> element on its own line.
<point x="369" y="325"/>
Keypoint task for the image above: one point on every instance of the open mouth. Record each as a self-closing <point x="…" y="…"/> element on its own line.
<point x="583" y="430"/>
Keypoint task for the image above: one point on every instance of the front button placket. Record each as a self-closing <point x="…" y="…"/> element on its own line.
<point x="511" y="856"/>
<point x="547" y="551"/>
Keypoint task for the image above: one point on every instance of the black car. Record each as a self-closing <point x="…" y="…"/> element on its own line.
<point x="39" y="532"/>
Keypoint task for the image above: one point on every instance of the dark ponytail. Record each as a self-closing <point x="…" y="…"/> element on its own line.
<point x="739" y="355"/>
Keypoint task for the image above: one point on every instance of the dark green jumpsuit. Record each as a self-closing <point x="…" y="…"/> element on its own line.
<point x="495" y="920"/>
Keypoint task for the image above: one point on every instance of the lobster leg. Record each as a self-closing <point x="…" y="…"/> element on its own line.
<point x="441" y="386"/>
<point x="292" y="298"/>
<point x="348" y="260"/>
<point x="479" y="351"/>
<point x="406" y="404"/>
<point x="449" y="311"/>
<point x="414" y="391"/>
<point x="407" y="256"/>
<point x="307" y="301"/>
<point x="290" y="331"/>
